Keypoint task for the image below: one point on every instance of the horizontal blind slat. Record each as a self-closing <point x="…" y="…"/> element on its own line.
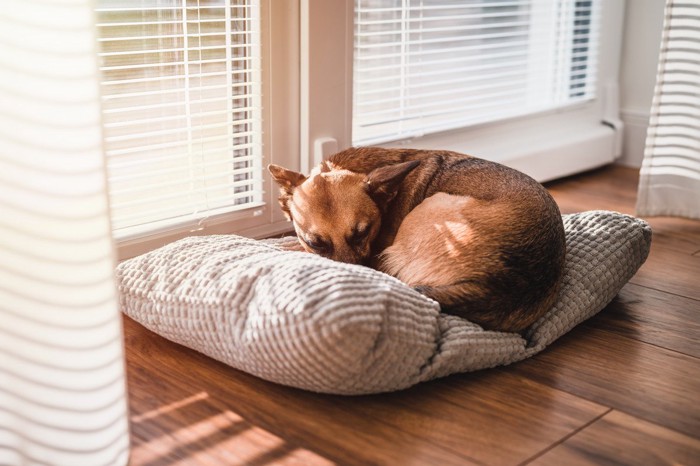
<point x="166" y="105"/>
<point x="411" y="109"/>
<point x="449" y="92"/>
<point x="173" y="36"/>
<point x="425" y="67"/>
<point x="434" y="7"/>
<point x="165" y="22"/>
<point x="459" y="49"/>
<point x="424" y="19"/>
<point x="166" y="145"/>
<point x="163" y="91"/>
<point x="178" y="169"/>
<point x="166" y="8"/>
<point x="169" y="132"/>
<point x="173" y="50"/>
<point x="521" y="62"/>
<point x="136" y="66"/>
<point x="179" y="76"/>
<point x="583" y="56"/>
<point x="514" y="24"/>
<point x="226" y="184"/>
<point x="132" y="122"/>
<point x="475" y="37"/>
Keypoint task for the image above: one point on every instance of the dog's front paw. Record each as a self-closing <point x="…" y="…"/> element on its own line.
<point x="424" y="290"/>
<point x="293" y="246"/>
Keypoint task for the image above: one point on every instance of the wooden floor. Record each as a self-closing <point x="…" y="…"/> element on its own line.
<point x="622" y="388"/>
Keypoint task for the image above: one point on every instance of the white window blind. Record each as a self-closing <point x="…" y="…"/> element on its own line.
<point x="181" y="109"/>
<point x="424" y="66"/>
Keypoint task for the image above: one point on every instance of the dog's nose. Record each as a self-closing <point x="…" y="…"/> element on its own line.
<point x="349" y="255"/>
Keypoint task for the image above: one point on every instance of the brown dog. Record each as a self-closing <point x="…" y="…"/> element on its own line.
<point x="485" y="241"/>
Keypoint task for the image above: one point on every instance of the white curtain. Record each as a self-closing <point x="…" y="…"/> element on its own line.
<point x="62" y="385"/>
<point x="670" y="176"/>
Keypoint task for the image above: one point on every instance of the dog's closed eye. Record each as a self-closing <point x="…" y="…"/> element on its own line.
<point x="317" y="244"/>
<point x="359" y="234"/>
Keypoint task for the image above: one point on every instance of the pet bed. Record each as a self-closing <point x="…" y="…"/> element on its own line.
<point x="302" y="320"/>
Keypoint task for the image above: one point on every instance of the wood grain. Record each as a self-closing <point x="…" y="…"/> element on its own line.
<point x="608" y="188"/>
<point x="629" y="375"/>
<point x="681" y="274"/>
<point x="617" y="439"/>
<point x="654" y="317"/>
<point x="473" y="413"/>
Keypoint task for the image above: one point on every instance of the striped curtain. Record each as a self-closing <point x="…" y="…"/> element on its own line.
<point x="62" y="385"/>
<point x="669" y="182"/>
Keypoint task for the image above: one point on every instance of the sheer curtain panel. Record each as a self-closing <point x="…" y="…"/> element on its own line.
<point x="669" y="182"/>
<point x="62" y="385"/>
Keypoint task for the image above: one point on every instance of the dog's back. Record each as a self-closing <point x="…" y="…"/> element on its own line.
<point x="485" y="241"/>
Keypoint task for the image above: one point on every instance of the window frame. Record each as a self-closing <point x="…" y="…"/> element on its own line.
<point x="545" y="145"/>
<point x="280" y="139"/>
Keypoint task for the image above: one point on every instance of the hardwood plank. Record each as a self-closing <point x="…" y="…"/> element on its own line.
<point x="643" y="380"/>
<point x="609" y="188"/>
<point x="667" y="270"/>
<point x="677" y="234"/>
<point x="329" y="427"/>
<point x="474" y="413"/>
<point x="458" y="420"/>
<point x="654" y="317"/>
<point x="198" y="429"/>
<point x="618" y="438"/>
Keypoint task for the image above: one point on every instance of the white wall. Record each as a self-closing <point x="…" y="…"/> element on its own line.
<point x="640" y="51"/>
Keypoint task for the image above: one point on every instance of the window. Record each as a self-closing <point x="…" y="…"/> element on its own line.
<point x="186" y="114"/>
<point x="528" y="83"/>
<point x="199" y="95"/>
<point x="181" y="109"/>
<point x="427" y="66"/>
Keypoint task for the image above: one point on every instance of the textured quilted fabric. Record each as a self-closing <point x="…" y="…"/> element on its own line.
<point x="301" y="320"/>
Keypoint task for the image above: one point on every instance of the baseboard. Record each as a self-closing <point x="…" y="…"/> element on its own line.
<point x="635" y="116"/>
<point x="545" y="146"/>
<point x="636" y="123"/>
<point x="593" y="148"/>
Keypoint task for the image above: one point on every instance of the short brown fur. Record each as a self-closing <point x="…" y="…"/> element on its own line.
<point x="485" y="241"/>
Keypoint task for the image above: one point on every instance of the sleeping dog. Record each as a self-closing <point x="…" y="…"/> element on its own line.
<point x="483" y="240"/>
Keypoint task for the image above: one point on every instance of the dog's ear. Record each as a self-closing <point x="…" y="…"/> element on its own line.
<point x="383" y="183"/>
<point x="287" y="181"/>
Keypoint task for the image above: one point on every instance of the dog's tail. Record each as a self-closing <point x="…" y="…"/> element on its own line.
<point x="469" y="301"/>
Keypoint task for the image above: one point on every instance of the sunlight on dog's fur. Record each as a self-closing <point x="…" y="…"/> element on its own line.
<point x="485" y="241"/>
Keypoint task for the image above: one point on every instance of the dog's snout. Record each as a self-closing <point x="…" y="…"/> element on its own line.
<point x="347" y="254"/>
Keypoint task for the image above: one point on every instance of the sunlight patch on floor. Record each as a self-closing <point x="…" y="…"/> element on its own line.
<point x="169" y="407"/>
<point x="225" y="438"/>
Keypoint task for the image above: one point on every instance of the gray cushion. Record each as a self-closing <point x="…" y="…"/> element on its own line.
<point x="301" y="320"/>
